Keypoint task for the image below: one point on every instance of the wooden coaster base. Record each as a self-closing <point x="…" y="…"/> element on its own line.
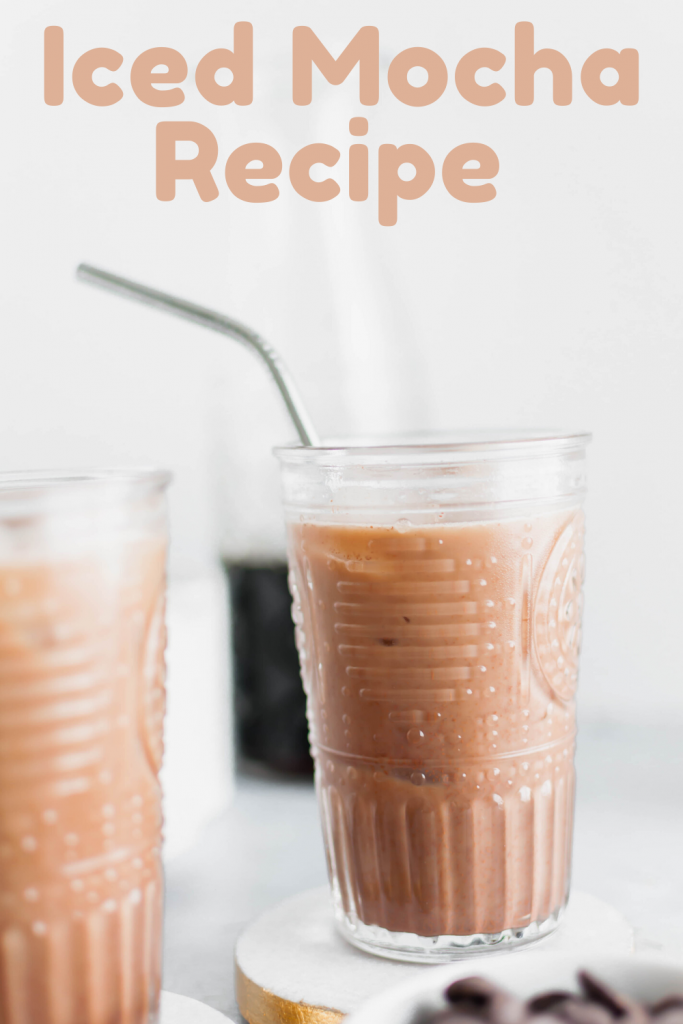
<point x="292" y="967"/>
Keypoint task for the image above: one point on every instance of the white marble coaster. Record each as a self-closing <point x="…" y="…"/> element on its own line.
<point x="294" y="952"/>
<point x="183" y="1010"/>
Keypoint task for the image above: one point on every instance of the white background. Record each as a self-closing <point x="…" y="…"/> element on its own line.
<point x="556" y="304"/>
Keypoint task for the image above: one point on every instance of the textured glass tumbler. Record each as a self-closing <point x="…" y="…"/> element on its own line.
<point x="437" y="599"/>
<point x="82" y="637"/>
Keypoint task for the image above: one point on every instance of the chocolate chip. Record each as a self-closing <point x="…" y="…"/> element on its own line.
<point x="600" y="993"/>
<point x="547" y="1001"/>
<point x="670" y="1003"/>
<point x="389" y="643"/>
<point x="619" y="1006"/>
<point x="478" y="998"/>
<point x="471" y="993"/>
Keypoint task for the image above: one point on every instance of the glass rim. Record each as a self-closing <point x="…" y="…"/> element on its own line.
<point x="442" y="445"/>
<point x="36" y="483"/>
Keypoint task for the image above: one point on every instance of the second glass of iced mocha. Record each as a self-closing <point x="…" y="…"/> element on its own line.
<point x="437" y="598"/>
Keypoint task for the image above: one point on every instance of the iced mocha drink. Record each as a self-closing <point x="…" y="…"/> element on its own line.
<point x="82" y="637"/>
<point x="440" y="661"/>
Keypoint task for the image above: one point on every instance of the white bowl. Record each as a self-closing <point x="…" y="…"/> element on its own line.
<point x="647" y="978"/>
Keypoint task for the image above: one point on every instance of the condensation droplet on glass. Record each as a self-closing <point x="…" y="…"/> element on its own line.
<point x="345" y="691"/>
<point x="482" y="583"/>
<point x="525" y="794"/>
<point x="135" y="896"/>
<point x="31" y="895"/>
<point x="346" y="719"/>
<point x="351" y="773"/>
<point x="492" y="774"/>
<point x="402" y="525"/>
<point x="29" y="844"/>
<point x="497" y="799"/>
<point x="418" y="778"/>
<point x="49" y="817"/>
<point x="39" y="928"/>
<point x="415" y="735"/>
<point x="110" y="906"/>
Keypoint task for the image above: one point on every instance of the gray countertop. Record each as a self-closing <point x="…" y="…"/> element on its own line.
<point x="267" y="845"/>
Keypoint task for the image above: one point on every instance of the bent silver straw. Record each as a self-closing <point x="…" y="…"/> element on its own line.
<point x="214" y="322"/>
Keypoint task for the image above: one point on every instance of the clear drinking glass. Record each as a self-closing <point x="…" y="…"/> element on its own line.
<point x="82" y="637"/>
<point x="437" y="598"/>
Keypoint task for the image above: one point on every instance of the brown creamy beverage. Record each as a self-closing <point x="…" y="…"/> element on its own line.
<point x="440" y="664"/>
<point x="82" y="641"/>
<point x="437" y="598"/>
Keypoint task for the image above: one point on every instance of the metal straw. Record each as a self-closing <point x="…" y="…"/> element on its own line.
<point x="215" y="322"/>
